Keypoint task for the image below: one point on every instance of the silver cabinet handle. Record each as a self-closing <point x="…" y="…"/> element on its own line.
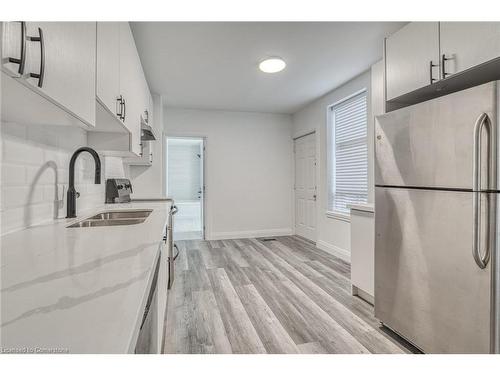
<point x="481" y="259"/>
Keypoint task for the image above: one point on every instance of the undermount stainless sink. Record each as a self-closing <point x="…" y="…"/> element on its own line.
<point x="120" y="215"/>
<point x="111" y="218"/>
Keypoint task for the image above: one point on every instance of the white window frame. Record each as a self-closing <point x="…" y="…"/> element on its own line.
<point x="330" y="129"/>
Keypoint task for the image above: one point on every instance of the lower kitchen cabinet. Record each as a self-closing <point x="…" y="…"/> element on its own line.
<point x="363" y="251"/>
<point x="163" y="277"/>
<point x="149" y="331"/>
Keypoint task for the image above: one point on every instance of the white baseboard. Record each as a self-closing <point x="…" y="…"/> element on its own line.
<point x="362" y="294"/>
<point x="250" y="234"/>
<point x="334" y="250"/>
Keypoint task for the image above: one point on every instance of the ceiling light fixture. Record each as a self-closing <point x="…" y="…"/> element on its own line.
<point x="272" y="65"/>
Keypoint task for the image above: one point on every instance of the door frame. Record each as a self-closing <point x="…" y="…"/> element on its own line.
<point x="312" y="132"/>
<point x="204" y="208"/>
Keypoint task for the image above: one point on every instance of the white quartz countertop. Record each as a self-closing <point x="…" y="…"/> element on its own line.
<point x="78" y="290"/>
<point x="367" y="207"/>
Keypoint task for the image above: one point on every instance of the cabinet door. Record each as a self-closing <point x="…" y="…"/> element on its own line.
<point x="146" y="100"/>
<point x="409" y="53"/>
<point x="69" y="67"/>
<point x="131" y="85"/>
<point x="362" y="250"/>
<point x="108" y="64"/>
<point x="12" y="46"/>
<point x="151" y="111"/>
<point x="466" y="44"/>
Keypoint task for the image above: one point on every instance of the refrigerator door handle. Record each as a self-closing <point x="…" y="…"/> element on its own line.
<point x="481" y="259"/>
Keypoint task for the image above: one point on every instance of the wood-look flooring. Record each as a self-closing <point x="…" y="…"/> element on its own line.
<point x="256" y="296"/>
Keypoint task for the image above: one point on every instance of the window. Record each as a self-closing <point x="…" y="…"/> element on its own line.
<point x="347" y="154"/>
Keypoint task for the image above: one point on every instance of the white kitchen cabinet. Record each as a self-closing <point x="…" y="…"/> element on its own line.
<point x="65" y="73"/>
<point x="68" y="65"/>
<point x="422" y="53"/>
<point x="467" y="44"/>
<point x="145" y="158"/>
<point x="362" y="251"/>
<point x="131" y="86"/>
<point x="108" y="64"/>
<point x="151" y="117"/>
<point x="412" y="58"/>
<point x="13" y="49"/>
<point x="123" y="95"/>
<point x="146" y="96"/>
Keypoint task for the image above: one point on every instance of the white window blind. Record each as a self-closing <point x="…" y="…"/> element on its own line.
<point x="348" y="154"/>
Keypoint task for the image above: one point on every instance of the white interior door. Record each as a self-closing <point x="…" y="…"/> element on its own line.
<point x="305" y="187"/>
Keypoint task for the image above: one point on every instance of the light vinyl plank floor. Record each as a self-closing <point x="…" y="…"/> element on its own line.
<point x="254" y="296"/>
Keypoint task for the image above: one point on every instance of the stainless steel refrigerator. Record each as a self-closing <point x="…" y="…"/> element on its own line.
<point x="436" y="222"/>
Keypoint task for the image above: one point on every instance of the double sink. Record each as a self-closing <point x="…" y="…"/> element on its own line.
<point x="110" y="218"/>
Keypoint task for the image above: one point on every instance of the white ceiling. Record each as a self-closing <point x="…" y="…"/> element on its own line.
<point x="215" y="65"/>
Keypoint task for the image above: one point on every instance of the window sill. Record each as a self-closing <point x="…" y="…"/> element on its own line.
<point x="338" y="216"/>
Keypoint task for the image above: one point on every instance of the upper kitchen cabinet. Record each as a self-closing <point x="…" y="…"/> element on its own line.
<point x="122" y="92"/>
<point x="108" y="65"/>
<point x="467" y="44"/>
<point x="57" y="60"/>
<point x="131" y="86"/>
<point x="423" y="59"/>
<point x="147" y="146"/>
<point x="13" y="48"/>
<point x="412" y="58"/>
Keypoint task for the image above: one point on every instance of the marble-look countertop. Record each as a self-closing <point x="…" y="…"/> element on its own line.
<point x="367" y="207"/>
<point x="78" y="290"/>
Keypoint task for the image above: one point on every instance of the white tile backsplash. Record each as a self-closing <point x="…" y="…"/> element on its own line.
<point x="114" y="167"/>
<point x="34" y="174"/>
<point x="12" y="175"/>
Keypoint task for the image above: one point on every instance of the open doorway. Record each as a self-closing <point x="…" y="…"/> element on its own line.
<point x="185" y="184"/>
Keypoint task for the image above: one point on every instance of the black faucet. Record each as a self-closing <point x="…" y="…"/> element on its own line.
<point x="72" y="193"/>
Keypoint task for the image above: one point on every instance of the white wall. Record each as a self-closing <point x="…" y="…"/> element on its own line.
<point x="378" y="84"/>
<point x="249" y="169"/>
<point x="333" y="234"/>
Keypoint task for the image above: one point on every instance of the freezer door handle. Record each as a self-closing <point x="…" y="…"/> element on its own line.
<point x="481" y="259"/>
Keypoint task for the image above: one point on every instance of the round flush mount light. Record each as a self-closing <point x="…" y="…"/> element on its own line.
<point x="272" y="65"/>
